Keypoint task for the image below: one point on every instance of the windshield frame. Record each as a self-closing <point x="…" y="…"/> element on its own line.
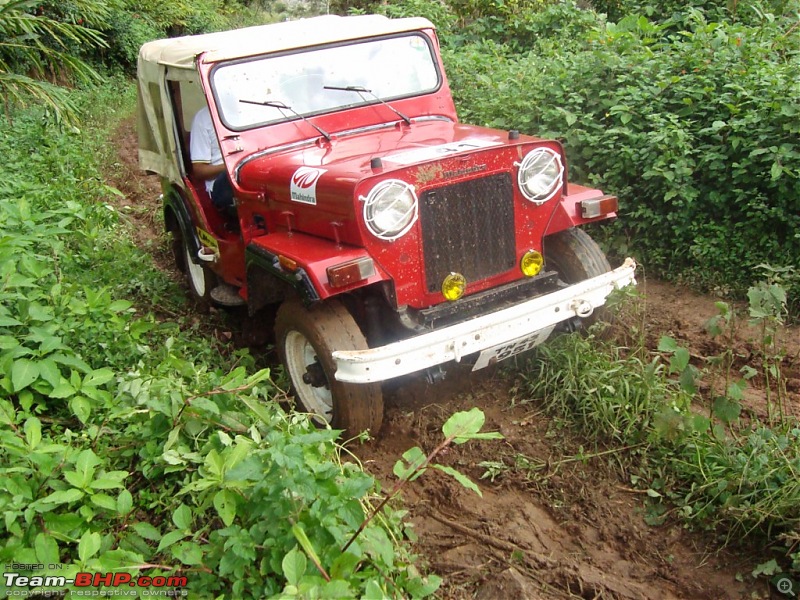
<point x="358" y="102"/>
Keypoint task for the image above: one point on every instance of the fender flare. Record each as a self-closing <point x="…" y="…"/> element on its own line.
<point x="260" y="263"/>
<point x="175" y="211"/>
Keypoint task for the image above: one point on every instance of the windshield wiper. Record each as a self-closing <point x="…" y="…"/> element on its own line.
<point x="361" y="89"/>
<point x="281" y="106"/>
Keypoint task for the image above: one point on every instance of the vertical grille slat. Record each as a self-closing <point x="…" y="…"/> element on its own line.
<point x="468" y="228"/>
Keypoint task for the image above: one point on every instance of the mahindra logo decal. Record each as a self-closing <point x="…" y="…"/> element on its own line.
<point x="305" y="177"/>
<point x="303" y="184"/>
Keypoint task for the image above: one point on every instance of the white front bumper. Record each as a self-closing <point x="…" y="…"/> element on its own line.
<point x="484" y="332"/>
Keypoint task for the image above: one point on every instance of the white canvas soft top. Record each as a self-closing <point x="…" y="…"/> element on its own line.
<point x="275" y="37"/>
<point x="174" y="59"/>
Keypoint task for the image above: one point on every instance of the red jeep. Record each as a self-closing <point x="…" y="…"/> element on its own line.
<point x="393" y="238"/>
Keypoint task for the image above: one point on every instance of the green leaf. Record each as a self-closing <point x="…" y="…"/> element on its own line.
<point x="62" y="390"/>
<point x="33" y="432"/>
<point x="461" y="478"/>
<point x="119" y="305"/>
<point x="63" y="496"/>
<point x="225" y="503"/>
<point x="294" y="566"/>
<point x="700" y="424"/>
<point x="104" y="482"/>
<point x="258" y="377"/>
<point x="188" y="553"/>
<point x="300" y="535"/>
<point x="8" y="321"/>
<point x="419" y="588"/>
<point x="49" y="371"/>
<point x="667" y="344"/>
<point x="462" y="426"/>
<point x="169" y="539"/>
<point x="7" y="413"/>
<point x="344" y="566"/>
<point x="726" y="410"/>
<point x="410" y="463"/>
<point x="81" y="408"/>
<point x="70" y="360"/>
<point x="124" y="502"/>
<point x="147" y="531"/>
<point x="98" y="377"/>
<point x="374" y="590"/>
<point x="257" y="408"/>
<point x="74" y="479"/>
<point x="679" y="360"/>
<point x="46" y="549"/>
<point x="768" y="568"/>
<point x="687" y="380"/>
<point x="89" y="545"/>
<point x="23" y="373"/>
<point x="86" y="464"/>
<point x="182" y="517"/>
<point x="104" y="501"/>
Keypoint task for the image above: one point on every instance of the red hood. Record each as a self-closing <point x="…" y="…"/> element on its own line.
<point x="317" y="184"/>
<point x="345" y="161"/>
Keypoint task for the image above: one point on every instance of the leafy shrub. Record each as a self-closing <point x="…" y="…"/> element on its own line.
<point x="714" y="10"/>
<point x="696" y="132"/>
<point x="119" y="448"/>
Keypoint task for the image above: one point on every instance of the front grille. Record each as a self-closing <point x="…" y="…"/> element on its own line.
<point x="468" y="228"/>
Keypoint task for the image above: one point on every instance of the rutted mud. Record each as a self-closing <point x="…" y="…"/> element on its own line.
<point x="556" y="526"/>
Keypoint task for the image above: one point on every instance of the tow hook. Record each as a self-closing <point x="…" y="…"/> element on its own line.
<point x="583" y="308"/>
<point x="435" y="374"/>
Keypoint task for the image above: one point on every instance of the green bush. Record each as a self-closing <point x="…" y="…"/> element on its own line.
<point x="697" y="132"/>
<point x="714" y="10"/>
<point x="141" y="447"/>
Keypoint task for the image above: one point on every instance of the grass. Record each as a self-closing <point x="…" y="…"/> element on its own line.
<point x="706" y="466"/>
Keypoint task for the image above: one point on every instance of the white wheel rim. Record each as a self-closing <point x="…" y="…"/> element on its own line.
<point x="300" y="354"/>
<point x="197" y="276"/>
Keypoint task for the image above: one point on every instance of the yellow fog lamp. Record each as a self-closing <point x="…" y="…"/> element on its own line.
<point x="531" y="263"/>
<point x="453" y="286"/>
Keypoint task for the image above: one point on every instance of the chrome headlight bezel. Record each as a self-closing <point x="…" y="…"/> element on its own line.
<point x="540" y="163"/>
<point x="384" y="197"/>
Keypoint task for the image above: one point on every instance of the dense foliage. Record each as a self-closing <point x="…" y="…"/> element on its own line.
<point x="133" y="445"/>
<point x="692" y="121"/>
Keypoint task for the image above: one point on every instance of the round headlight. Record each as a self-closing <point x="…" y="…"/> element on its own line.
<point x="540" y="175"/>
<point x="390" y="209"/>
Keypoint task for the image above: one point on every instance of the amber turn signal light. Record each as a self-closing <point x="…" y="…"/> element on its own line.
<point x="288" y="264"/>
<point x="597" y="207"/>
<point x="350" y="272"/>
<point x="531" y="263"/>
<point x="454" y="286"/>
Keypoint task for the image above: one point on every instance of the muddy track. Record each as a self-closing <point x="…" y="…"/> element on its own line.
<point x="556" y="527"/>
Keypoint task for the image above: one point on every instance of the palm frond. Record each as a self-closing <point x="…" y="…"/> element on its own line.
<point x="20" y="89"/>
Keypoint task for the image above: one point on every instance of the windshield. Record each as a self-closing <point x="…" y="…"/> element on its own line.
<point x="387" y="68"/>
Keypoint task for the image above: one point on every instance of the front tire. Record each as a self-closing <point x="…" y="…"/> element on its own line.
<point x="306" y="339"/>
<point x="575" y="256"/>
